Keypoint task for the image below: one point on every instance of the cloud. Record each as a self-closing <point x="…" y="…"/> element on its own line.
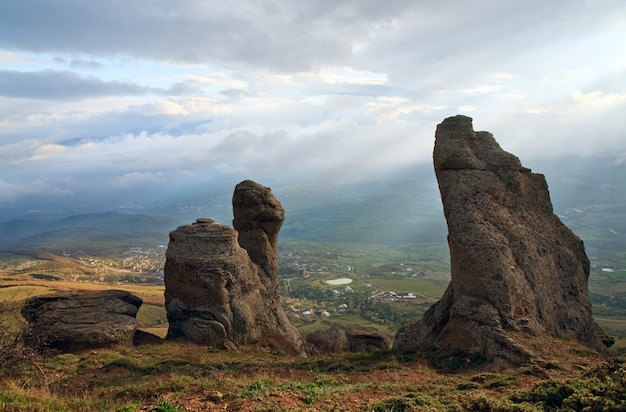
<point x="221" y="79"/>
<point x="79" y="64"/>
<point x="597" y="100"/>
<point x="347" y="75"/>
<point x="584" y="125"/>
<point x="7" y="57"/>
<point x="276" y="35"/>
<point x="59" y="85"/>
<point x="47" y="151"/>
<point x="11" y="192"/>
<point x="170" y="92"/>
<point x="162" y="161"/>
<point x="135" y="179"/>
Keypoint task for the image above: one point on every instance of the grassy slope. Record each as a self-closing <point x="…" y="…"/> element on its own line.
<point x="180" y="376"/>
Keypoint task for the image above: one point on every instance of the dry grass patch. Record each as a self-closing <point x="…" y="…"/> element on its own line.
<point x="186" y="377"/>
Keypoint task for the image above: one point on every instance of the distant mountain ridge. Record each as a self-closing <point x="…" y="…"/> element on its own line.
<point x="405" y="210"/>
<point x="87" y="231"/>
<point x="400" y="209"/>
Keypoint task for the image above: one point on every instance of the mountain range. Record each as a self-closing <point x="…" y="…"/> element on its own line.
<point x="589" y="194"/>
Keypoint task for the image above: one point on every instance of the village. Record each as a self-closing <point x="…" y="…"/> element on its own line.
<point x="315" y="285"/>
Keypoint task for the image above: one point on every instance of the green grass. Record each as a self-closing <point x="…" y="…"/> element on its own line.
<point x="607" y="283"/>
<point x="151" y="294"/>
<point x="368" y="257"/>
<point x="151" y="316"/>
<point x="619" y="347"/>
<point x="18" y="293"/>
<point x="181" y="376"/>
<point x="309" y="392"/>
<point x="167" y="376"/>
<point x="613" y="326"/>
<point x="17" y="400"/>
<point x="343" y="322"/>
<point x="424" y="287"/>
<point x="409" y="402"/>
<point x="11" y="301"/>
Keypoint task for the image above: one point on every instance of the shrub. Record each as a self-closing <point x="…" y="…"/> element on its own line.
<point x="165" y="407"/>
<point x="18" y="343"/>
<point x="596" y="393"/>
<point x="409" y="402"/>
<point x="452" y="359"/>
<point x="484" y="403"/>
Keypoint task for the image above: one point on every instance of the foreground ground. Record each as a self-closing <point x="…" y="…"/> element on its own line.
<point x="179" y="376"/>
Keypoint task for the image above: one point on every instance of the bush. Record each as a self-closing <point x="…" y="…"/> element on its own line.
<point x="18" y="343"/>
<point x="165" y="407"/>
<point x="596" y="393"/>
<point x="409" y="402"/>
<point x="486" y="403"/>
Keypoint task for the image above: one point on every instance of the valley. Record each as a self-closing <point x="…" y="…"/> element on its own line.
<point x="380" y="276"/>
<point x="389" y="242"/>
<point x="179" y="376"/>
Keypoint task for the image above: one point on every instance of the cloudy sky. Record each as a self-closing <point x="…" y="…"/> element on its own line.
<point x="137" y="96"/>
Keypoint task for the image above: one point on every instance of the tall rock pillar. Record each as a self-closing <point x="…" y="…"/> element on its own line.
<point x="221" y="284"/>
<point x="517" y="271"/>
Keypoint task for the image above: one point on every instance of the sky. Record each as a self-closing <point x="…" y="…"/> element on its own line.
<point x="110" y="97"/>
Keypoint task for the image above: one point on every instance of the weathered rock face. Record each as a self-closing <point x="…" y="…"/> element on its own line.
<point x="222" y="285"/>
<point x="516" y="269"/>
<point x="81" y="320"/>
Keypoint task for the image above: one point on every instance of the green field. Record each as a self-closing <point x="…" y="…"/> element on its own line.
<point x="18" y="293"/>
<point x="422" y="269"/>
<point x="428" y="288"/>
<point x="153" y="318"/>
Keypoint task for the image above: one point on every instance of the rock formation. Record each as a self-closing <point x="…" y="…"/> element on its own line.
<point x="258" y="217"/>
<point x="366" y="339"/>
<point x="517" y="272"/>
<point x="81" y="320"/>
<point x="222" y="284"/>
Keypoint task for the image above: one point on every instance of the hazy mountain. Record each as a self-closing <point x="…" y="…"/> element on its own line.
<point x="588" y="193"/>
<point x="405" y="209"/>
<point x="96" y="231"/>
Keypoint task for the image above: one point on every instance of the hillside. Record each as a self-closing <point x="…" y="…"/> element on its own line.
<point x="177" y="376"/>
<point x="97" y="233"/>
<point x="379" y="229"/>
<point x="404" y="209"/>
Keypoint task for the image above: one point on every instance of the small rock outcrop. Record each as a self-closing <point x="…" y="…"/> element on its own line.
<point x="221" y="284"/>
<point x="82" y="320"/>
<point x="366" y="339"/>
<point x="518" y="273"/>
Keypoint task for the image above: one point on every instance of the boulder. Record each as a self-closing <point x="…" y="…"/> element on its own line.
<point x="81" y="320"/>
<point x="221" y="284"/>
<point x="324" y="341"/>
<point x="518" y="273"/>
<point x="366" y="339"/>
